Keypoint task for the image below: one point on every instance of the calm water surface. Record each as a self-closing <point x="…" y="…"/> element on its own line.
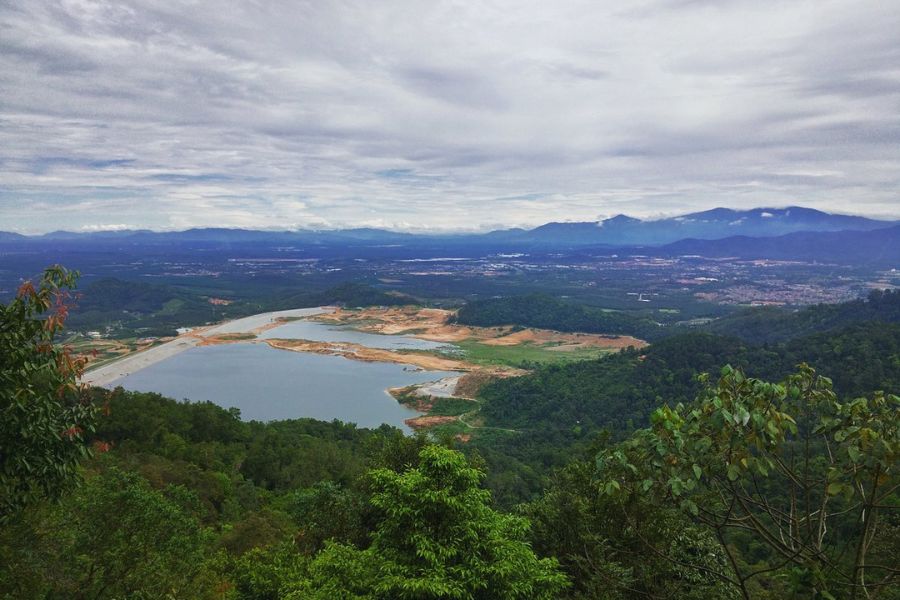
<point x="268" y="384"/>
<point x="324" y="332"/>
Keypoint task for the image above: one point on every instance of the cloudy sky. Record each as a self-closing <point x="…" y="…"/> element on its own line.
<point x="441" y="115"/>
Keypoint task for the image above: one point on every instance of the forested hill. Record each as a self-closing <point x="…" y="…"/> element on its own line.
<point x="346" y="294"/>
<point x="129" y="307"/>
<point x="546" y="312"/>
<point x="618" y="392"/>
<point x="771" y="324"/>
<point x="754" y="325"/>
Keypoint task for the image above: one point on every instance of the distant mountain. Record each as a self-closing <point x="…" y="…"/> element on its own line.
<point x="712" y="224"/>
<point x="618" y="231"/>
<point x="9" y="236"/>
<point x="222" y="235"/>
<point x="879" y="246"/>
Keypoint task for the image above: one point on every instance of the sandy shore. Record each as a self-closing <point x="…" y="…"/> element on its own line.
<point x="427" y="362"/>
<point x="109" y="373"/>
<point x="434" y="324"/>
<point x="442" y="388"/>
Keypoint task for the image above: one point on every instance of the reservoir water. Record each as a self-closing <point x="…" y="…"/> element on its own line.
<point x="323" y="332"/>
<point x="268" y="384"/>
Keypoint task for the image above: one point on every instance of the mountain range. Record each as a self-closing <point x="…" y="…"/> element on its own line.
<point x="875" y="247"/>
<point x="717" y="223"/>
<point x="618" y="231"/>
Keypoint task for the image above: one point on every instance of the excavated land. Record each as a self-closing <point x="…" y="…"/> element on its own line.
<point x="432" y="324"/>
<point x="428" y="421"/>
<point x="364" y="353"/>
<point x="423" y="323"/>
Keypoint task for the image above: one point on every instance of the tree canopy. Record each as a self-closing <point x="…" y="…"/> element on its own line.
<point x="45" y="414"/>
<point x="812" y="479"/>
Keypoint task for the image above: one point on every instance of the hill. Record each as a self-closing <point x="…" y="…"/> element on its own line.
<point x="713" y="224"/>
<point x="617" y="231"/>
<point x="875" y="246"/>
<point x="770" y="324"/>
<point x="546" y="312"/>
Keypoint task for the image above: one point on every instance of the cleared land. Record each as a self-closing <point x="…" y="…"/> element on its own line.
<point x="482" y="346"/>
<point x="483" y="353"/>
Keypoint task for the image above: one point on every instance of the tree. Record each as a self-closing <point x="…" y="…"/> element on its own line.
<point x="436" y="537"/>
<point x="45" y="413"/>
<point x="604" y="555"/>
<point x="811" y="479"/>
<point x="114" y="537"/>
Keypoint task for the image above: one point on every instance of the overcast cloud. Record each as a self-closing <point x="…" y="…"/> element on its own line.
<point x="441" y="115"/>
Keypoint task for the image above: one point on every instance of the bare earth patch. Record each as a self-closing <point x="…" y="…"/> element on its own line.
<point x="426" y="421"/>
<point x="366" y="354"/>
<point x="432" y="324"/>
<point x="471" y="383"/>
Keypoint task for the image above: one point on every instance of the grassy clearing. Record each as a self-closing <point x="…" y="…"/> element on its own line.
<point x="515" y="356"/>
<point x="452" y="407"/>
<point x="451" y="430"/>
<point x="236" y="337"/>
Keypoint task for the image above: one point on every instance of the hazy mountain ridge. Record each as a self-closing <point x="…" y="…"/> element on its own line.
<point x="717" y="223"/>
<point x="618" y="231"/>
<point x="878" y="246"/>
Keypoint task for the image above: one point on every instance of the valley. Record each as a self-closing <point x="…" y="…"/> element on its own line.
<point x="371" y="335"/>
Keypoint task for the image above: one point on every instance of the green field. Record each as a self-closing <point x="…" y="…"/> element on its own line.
<point x="522" y="354"/>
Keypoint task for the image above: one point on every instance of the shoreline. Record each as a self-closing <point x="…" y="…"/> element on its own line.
<point x="104" y="375"/>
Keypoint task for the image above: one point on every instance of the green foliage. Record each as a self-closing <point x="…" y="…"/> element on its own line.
<point x="115" y="537"/>
<point x="547" y="312"/>
<point x="138" y="308"/>
<point x="327" y="511"/>
<point x="522" y="355"/>
<point x="349" y="294"/>
<point x="610" y="391"/>
<point x="272" y="573"/>
<point x="753" y="488"/>
<point x="805" y="474"/>
<point x="606" y="556"/>
<point x="437" y="537"/>
<point x="44" y="412"/>
<point x="133" y="308"/>
<point x="770" y="324"/>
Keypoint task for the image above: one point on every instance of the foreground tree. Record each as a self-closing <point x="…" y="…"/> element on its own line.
<point x="114" y="537"/>
<point x="436" y="538"/>
<point x="812" y="480"/>
<point x="44" y="412"/>
<point x="605" y="556"/>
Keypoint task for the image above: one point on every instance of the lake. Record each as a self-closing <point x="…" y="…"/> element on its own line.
<point x="268" y="384"/>
<point x="324" y="332"/>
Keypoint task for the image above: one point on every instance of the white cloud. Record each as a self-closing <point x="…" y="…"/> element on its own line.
<point x="441" y="115"/>
<point x="106" y="227"/>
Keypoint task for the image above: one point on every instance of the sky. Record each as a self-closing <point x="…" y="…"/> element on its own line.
<point x="437" y="115"/>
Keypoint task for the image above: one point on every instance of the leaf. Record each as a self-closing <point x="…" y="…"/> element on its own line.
<point x="698" y="472"/>
<point x="834" y="489"/>
<point x="733" y="472"/>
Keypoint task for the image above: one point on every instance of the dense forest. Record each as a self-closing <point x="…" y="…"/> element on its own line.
<point x="547" y="312"/>
<point x="157" y="310"/>
<point x="756" y="325"/>
<point x="772" y="324"/>
<point x="633" y="476"/>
